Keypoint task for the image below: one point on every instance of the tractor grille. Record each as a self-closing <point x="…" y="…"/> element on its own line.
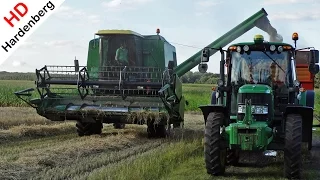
<point x="256" y="99"/>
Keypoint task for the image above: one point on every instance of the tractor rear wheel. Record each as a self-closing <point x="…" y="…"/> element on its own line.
<point x="87" y="129"/>
<point x="119" y="125"/>
<point x="215" y="152"/>
<point x="292" y="149"/>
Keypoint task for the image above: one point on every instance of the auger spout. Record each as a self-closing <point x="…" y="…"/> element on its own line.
<point x="258" y="19"/>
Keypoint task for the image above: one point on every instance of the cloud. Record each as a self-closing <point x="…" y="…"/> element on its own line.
<point x="67" y="12"/>
<point x="63" y="44"/>
<point x="18" y="63"/>
<point x="121" y="5"/>
<point x="278" y="2"/>
<point x="296" y="16"/>
<point x="207" y="3"/>
<point x="201" y="13"/>
<point x="28" y="44"/>
<point x="203" y="6"/>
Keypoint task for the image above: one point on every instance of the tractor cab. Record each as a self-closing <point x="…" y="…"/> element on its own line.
<point x="260" y="71"/>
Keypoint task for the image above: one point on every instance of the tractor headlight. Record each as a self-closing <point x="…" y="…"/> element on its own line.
<point x="238" y="49"/>
<point x="256" y="109"/>
<point x="272" y="47"/>
<point x="246" y="48"/>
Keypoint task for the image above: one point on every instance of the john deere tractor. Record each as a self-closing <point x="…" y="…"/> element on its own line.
<point x="259" y="104"/>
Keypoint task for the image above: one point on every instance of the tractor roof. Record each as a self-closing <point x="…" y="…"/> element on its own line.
<point x="259" y="39"/>
<point x="116" y="31"/>
<point x="252" y="43"/>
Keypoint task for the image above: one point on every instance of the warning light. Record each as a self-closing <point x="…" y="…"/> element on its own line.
<point x="295" y="36"/>
<point x="258" y="38"/>
<point x="158" y="31"/>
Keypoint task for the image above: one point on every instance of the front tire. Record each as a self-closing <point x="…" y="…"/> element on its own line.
<point x="292" y="149"/>
<point x="87" y="128"/>
<point x="119" y="125"/>
<point x="232" y="157"/>
<point x="214" y="150"/>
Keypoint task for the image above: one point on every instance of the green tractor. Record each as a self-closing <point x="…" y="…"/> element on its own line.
<point x="258" y="105"/>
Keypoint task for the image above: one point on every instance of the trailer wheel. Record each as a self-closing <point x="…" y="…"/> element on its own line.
<point x="87" y="129"/>
<point x="292" y="149"/>
<point x="232" y="157"/>
<point x="119" y="125"/>
<point x="215" y="153"/>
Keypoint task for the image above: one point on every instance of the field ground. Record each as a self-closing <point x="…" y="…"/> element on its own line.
<point x="35" y="148"/>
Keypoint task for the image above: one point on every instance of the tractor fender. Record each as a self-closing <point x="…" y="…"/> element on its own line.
<point x="213" y="98"/>
<point x="207" y="109"/>
<point x="306" y="113"/>
<point x="310" y="98"/>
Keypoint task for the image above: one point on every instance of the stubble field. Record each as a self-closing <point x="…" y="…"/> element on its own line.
<point x="32" y="147"/>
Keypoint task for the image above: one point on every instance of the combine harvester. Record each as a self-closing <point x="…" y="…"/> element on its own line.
<point x="264" y="101"/>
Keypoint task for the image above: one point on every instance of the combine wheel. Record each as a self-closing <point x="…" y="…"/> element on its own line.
<point x="292" y="149"/>
<point x="157" y="131"/>
<point x="178" y="125"/>
<point x="119" y="125"/>
<point x="87" y="129"/>
<point x="232" y="157"/>
<point x="215" y="153"/>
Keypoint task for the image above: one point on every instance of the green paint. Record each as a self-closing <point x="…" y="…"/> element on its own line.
<point x="303" y="100"/>
<point x="255" y="136"/>
<point x="248" y="118"/>
<point x="255" y="88"/>
<point x="93" y="62"/>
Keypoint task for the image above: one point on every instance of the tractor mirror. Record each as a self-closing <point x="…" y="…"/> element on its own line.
<point x="205" y="55"/>
<point x="203" y="67"/>
<point x="314" y="69"/>
<point x="314" y="56"/>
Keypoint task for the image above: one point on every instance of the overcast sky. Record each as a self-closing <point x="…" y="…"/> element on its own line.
<point x="190" y="22"/>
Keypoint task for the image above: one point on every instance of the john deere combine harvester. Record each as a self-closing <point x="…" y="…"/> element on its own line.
<point x="259" y="103"/>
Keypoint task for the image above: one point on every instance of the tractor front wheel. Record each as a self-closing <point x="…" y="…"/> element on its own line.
<point x="215" y="152"/>
<point x="292" y="149"/>
<point x="232" y="157"/>
<point x="87" y="129"/>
